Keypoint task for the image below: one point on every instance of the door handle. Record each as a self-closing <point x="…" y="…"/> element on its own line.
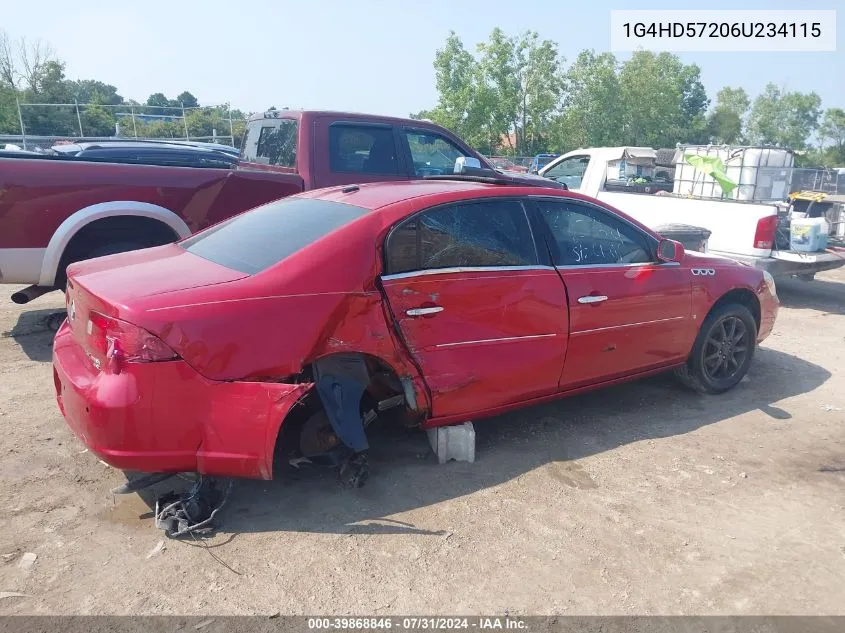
<point x="413" y="312"/>
<point x="592" y="299"/>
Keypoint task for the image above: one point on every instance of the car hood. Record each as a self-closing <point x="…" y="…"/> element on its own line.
<point x="694" y="258"/>
<point x="531" y="179"/>
<point x="121" y="278"/>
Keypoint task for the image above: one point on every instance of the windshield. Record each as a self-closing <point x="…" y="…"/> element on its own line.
<point x="264" y="236"/>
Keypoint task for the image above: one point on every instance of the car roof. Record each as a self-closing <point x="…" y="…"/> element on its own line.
<point x="340" y="115"/>
<point x="374" y="196"/>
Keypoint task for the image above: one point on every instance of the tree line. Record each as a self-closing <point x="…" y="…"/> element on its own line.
<point x="515" y="95"/>
<point x="31" y="73"/>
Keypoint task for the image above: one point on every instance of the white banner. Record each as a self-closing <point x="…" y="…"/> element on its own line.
<point x="723" y="30"/>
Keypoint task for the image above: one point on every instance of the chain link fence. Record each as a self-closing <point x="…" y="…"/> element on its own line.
<point x="44" y="124"/>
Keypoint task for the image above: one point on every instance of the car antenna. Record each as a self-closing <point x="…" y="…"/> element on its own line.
<point x="350" y="189"/>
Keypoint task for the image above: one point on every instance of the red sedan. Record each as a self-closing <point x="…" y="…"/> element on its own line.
<point x="296" y="324"/>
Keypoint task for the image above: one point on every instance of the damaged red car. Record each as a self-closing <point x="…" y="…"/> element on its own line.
<point x="289" y="328"/>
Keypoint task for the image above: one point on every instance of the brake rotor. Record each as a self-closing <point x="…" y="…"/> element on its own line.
<point x="317" y="436"/>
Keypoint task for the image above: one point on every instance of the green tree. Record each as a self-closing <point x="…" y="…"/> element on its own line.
<point x="456" y="73"/>
<point x="787" y="119"/>
<point x="663" y="100"/>
<point x="158" y="100"/>
<point x="524" y="87"/>
<point x="832" y="129"/>
<point x="592" y="113"/>
<point x="725" y="122"/>
<point x="93" y="91"/>
<point x="506" y="96"/>
<point x="186" y="99"/>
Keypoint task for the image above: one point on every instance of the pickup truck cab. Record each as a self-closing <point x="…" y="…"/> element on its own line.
<point x="55" y="210"/>
<point x="325" y="149"/>
<point x="743" y="231"/>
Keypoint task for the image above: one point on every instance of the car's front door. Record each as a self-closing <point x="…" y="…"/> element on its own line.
<point x="628" y="312"/>
<point x="485" y="321"/>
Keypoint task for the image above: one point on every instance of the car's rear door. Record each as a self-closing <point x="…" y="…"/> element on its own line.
<point x="628" y="312"/>
<point x="483" y="318"/>
<point x="355" y="151"/>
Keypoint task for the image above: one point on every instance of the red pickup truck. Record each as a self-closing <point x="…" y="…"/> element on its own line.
<point x="58" y="210"/>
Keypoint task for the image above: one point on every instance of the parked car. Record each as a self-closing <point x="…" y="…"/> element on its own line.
<point x="164" y="155"/>
<point x="540" y="161"/>
<point x="744" y="231"/>
<point x="504" y="164"/>
<point x="290" y="328"/>
<point x="65" y="210"/>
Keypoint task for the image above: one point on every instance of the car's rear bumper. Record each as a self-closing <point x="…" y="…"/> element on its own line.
<point x="21" y="265"/>
<point x="165" y="417"/>
<point x="788" y="263"/>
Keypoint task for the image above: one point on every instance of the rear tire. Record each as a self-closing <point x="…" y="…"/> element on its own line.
<point x="722" y="352"/>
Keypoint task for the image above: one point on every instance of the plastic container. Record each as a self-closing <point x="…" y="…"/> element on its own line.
<point x="694" y="238"/>
<point x="761" y="173"/>
<point x="808" y="234"/>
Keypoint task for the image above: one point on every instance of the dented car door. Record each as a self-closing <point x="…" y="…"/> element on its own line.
<point x="628" y="312"/>
<point x="484" y="319"/>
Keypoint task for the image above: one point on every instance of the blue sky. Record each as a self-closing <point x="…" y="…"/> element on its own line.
<point x="365" y="55"/>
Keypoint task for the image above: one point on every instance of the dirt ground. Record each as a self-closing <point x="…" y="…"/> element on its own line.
<point x="640" y="499"/>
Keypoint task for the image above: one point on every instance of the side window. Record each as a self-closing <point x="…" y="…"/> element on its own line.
<point x="362" y="149"/>
<point x="586" y="236"/>
<point x="432" y="154"/>
<point x="277" y="143"/>
<point x="493" y="233"/>
<point x="569" y="171"/>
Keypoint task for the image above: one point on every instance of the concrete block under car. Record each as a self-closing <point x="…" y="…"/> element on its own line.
<point x="453" y="442"/>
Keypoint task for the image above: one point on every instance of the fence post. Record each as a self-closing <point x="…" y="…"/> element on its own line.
<point x="231" y="127"/>
<point x="78" y="118"/>
<point x="20" y="119"/>
<point x="134" y="127"/>
<point x="185" y="121"/>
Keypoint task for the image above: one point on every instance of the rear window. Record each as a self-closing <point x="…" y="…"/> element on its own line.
<point x="258" y="239"/>
<point x="366" y="149"/>
<point x="277" y="143"/>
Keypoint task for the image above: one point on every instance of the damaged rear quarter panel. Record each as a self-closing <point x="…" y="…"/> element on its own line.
<point x="319" y="301"/>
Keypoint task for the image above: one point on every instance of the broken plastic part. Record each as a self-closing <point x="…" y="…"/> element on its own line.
<point x="192" y="512"/>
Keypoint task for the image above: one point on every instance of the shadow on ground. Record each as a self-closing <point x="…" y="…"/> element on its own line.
<point x="404" y="472"/>
<point x="34" y="332"/>
<point x="405" y="475"/>
<point x="825" y="296"/>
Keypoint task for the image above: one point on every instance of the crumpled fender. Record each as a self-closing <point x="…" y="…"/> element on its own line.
<point x="241" y="417"/>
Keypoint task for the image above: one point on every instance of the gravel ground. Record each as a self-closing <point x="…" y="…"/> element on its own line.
<point x="639" y="499"/>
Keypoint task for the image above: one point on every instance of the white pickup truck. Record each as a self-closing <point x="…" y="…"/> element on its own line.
<point x="744" y="231"/>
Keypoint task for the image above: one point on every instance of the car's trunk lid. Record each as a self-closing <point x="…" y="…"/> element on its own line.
<point x="116" y="286"/>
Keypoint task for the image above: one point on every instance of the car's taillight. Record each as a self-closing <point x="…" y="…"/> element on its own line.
<point x="121" y="342"/>
<point x="764" y="236"/>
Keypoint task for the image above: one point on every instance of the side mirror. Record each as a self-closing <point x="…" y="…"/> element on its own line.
<point x="670" y="251"/>
<point x="466" y="162"/>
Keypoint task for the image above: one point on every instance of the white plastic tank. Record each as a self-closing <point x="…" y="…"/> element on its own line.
<point x="761" y="173"/>
<point x="808" y="234"/>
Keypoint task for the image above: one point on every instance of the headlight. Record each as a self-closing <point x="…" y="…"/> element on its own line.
<point x="770" y="282"/>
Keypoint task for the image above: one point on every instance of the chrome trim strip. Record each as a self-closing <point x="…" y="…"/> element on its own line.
<point x="496" y="340"/>
<point x="617" y="327"/>
<point x="461" y="269"/>
<point x="588" y="266"/>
